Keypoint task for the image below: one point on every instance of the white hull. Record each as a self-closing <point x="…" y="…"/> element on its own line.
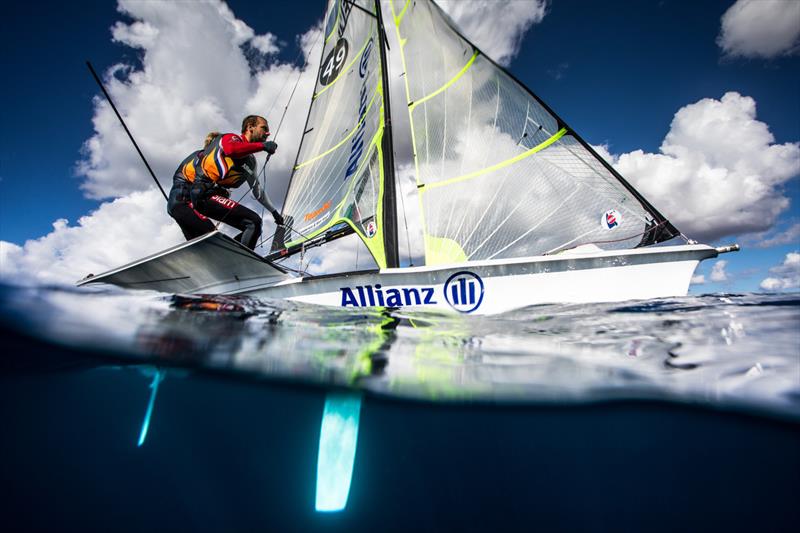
<point x="493" y="287"/>
<point x="214" y="264"/>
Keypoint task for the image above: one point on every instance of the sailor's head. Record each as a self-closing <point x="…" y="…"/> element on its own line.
<point x="255" y="128"/>
<point x="210" y="137"/>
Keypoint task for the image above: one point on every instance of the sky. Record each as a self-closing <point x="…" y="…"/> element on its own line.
<point x="695" y="103"/>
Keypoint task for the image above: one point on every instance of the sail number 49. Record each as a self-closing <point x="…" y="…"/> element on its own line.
<point x="334" y="62"/>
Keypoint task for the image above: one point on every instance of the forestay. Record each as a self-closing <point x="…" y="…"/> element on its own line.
<point x="338" y="175"/>
<point x="499" y="175"/>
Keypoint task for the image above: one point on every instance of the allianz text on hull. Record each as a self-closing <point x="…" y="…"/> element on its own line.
<point x="490" y="287"/>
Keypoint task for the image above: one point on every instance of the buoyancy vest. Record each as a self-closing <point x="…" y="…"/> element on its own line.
<point x="220" y="168"/>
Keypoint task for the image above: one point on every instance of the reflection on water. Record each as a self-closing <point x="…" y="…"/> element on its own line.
<point x="729" y="350"/>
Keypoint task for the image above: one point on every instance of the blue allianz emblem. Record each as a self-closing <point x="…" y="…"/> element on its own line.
<point x="464" y="291"/>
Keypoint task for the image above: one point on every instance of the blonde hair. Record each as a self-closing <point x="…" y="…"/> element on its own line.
<point x="210" y="137"/>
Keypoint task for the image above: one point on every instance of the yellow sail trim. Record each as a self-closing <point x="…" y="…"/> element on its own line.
<point x="399" y="18"/>
<point x="347" y="137"/>
<point x="448" y="84"/>
<point x="539" y="147"/>
<point x="347" y="68"/>
<point x="442" y="251"/>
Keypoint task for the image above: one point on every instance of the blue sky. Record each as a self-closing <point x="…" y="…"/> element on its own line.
<point x="617" y="72"/>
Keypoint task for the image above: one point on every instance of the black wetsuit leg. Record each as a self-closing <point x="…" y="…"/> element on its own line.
<point x="240" y="217"/>
<point x="192" y="223"/>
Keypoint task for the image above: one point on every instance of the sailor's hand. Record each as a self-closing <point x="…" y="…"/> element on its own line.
<point x="278" y="218"/>
<point x="270" y="147"/>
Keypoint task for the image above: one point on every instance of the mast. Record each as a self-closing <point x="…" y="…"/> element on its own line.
<point x="389" y="221"/>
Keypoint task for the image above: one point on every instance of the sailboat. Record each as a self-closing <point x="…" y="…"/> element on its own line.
<point x="502" y="204"/>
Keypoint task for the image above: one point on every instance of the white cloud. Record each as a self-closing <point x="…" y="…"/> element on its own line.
<point x="698" y="279"/>
<point x="171" y="103"/>
<point x="718" y="273"/>
<point x="761" y="28"/>
<point x="786" y="275"/>
<point x="135" y="35"/>
<point x="719" y="171"/>
<point x="116" y="233"/>
<point x="774" y="237"/>
<point x="497" y="27"/>
<point x="266" y="44"/>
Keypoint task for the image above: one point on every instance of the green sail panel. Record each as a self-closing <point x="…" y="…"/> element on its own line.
<point x="338" y="176"/>
<point x="499" y="175"/>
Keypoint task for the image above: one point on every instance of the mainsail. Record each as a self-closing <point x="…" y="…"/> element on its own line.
<point x="339" y="173"/>
<point x="498" y="174"/>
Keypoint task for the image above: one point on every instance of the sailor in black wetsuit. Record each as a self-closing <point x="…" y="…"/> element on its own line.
<point x="226" y="163"/>
<point x="179" y="205"/>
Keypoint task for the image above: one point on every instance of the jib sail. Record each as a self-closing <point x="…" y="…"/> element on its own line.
<point x="339" y="173"/>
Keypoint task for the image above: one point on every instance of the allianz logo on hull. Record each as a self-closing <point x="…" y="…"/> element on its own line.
<point x="463" y="291"/>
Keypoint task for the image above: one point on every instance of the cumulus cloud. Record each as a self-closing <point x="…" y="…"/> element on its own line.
<point x="774" y="237"/>
<point x="785" y="276"/>
<point x="171" y="103"/>
<point x="761" y="29"/>
<point x="116" y="233"/>
<point x="497" y="27"/>
<point x="719" y="171"/>
<point x="718" y="273"/>
<point x="266" y="44"/>
<point x="699" y="279"/>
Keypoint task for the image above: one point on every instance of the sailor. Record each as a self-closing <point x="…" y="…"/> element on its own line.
<point x="226" y="163"/>
<point x="179" y="205"/>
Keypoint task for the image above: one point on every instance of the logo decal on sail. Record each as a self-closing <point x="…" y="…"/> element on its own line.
<point x="334" y="63"/>
<point x="464" y="291"/>
<point x="371" y="229"/>
<point x="314" y="214"/>
<point x="357" y="144"/>
<point x="611" y="219"/>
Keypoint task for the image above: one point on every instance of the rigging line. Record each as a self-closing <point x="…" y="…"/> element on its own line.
<point x="111" y="102"/>
<point x="286" y="78"/>
<point x="262" y="177"/>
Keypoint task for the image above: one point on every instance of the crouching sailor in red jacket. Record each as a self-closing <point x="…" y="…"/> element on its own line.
<point x="226" y="163"/>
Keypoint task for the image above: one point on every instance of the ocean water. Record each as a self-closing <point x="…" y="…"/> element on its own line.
<point x="668" y="414"/>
